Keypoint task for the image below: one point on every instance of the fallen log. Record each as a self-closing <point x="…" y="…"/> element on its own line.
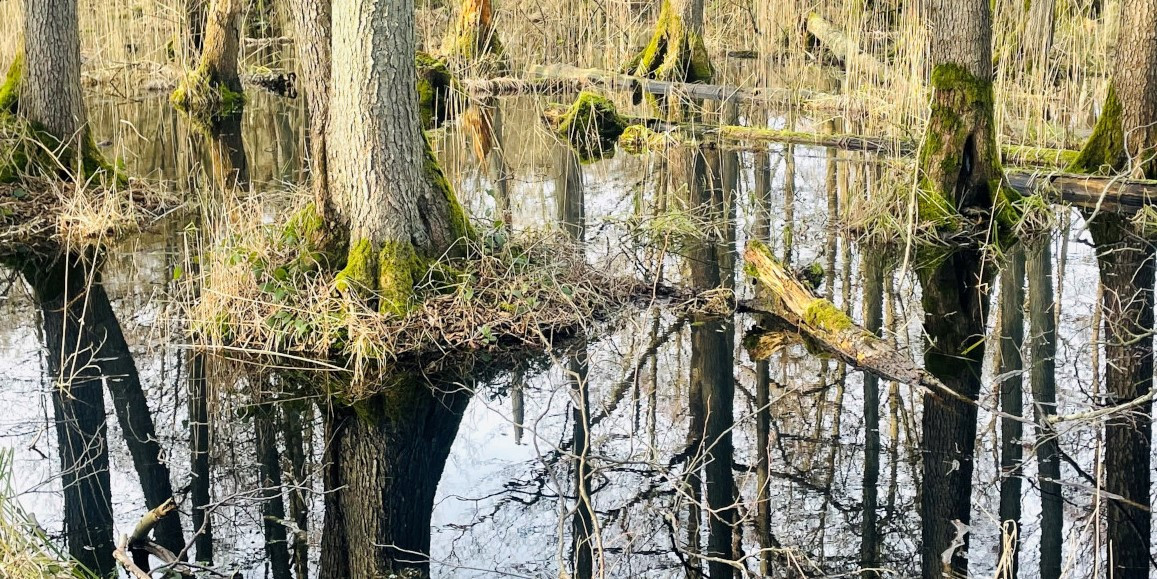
<point x="1090" y="192"/>
<point x="822" y="322"/>
<point x="618" y="81"/>
<point x="843" y="48"/>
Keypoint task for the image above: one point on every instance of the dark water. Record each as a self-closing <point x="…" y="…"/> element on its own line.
<point x="652" y="450"/>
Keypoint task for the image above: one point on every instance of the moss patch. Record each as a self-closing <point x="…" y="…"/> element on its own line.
<point x="10" y="90"/>
<point x="1104" y="151"/>
<point x="591" y="125"/>
<point x="959" y="160"/>
<point x="206" y="99"/>
<point x="436" y="87"/>
<point x="674" y="53"/>
<point x="824" y="315"/>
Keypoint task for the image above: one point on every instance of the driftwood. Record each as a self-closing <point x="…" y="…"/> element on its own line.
<point x="823" y="323"/>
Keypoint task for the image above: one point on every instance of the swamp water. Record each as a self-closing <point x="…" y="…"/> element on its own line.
<point x="640" y="452"/>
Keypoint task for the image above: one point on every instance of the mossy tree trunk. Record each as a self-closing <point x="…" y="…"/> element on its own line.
<point x="1125" y="137"/>
<point x="676" y="52"/>
<point x="960" y="174"/>
<point x="312" y="24"/>
<point x="1125" y="141"/>
<point x="214" y="89"/>
<point x="43" y="83"/>
<point x="387" y="187"/>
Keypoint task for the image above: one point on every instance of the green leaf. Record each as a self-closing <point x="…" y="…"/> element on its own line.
<point x="178" y="271"/>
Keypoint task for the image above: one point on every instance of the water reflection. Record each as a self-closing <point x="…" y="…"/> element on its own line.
<point x="657" y="448"/>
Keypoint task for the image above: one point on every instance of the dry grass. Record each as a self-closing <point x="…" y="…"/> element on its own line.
<point x="263" y="291"/>
<point x="45" y="201"/>
<point x="25" y="551"/>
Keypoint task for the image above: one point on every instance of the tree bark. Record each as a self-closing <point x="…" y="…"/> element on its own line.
<point x="387" y="457"/>
<point x="387" y="187"/>
<point x="312" y="23"/>
<point x="676" y="51"/>
<point x="50" y="92"/>
<point x="959" y="172"/>
<point x="1125" y="137"/>
<point x="214" y="89"/>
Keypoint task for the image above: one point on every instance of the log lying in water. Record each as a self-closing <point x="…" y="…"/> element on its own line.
<point x="823" y="323"/>
<point x="1090" y="192"/>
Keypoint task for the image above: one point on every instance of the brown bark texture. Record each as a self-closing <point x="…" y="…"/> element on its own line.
<point x="50" y="92"/>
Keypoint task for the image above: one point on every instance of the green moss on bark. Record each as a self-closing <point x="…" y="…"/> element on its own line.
<point x="959" y="160"/>
<point x="591" y="125"/>
<point x="824" y="315"/>
<point x="1104" y="151"/>
<point x="436" y="87"/>
<point x="674" y="53"/>
<point x="10" y="90"/>
<point x="206" y="99"/>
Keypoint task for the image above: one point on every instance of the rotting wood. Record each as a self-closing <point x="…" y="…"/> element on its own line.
<point x="821" y="321"/>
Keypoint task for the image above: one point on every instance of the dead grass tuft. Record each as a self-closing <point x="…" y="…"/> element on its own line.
<point x="264" y="291"/>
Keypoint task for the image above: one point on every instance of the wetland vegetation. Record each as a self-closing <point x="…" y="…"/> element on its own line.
<point x="496" y="288"/>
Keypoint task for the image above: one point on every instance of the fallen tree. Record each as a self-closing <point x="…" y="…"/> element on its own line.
<point x="824" y="324"/>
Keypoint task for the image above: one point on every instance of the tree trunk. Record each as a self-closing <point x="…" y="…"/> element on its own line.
<point x="1042" y="377"/>
<point x="387" y="186"/>
<point x="387" y="457"/>
<point x="312" y="23"/>
<point x="1125" y="140"/>
<point x="1127" y="275"/>
<point x="50" y="93"/>
<point x="296" y="452"/>
<point x="472" y="41"/>
<point x="272" y="502"/>
<point x="959" y="161"/>
<point x="214" y="88"/>
<point x="1125" y="137"/>
<point x="676" y="52"/>
<point x="873" y="265"/>
<point x="960" y="170"/>
<point x="584" y="541"/>
<point x="1012" y="403"/>
<point x="115" y="361"/>
<point x="60" y="286"/>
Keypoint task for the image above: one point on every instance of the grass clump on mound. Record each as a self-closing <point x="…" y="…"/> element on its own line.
<point x="269" y="291"/>
<point x="45" y="199"/>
